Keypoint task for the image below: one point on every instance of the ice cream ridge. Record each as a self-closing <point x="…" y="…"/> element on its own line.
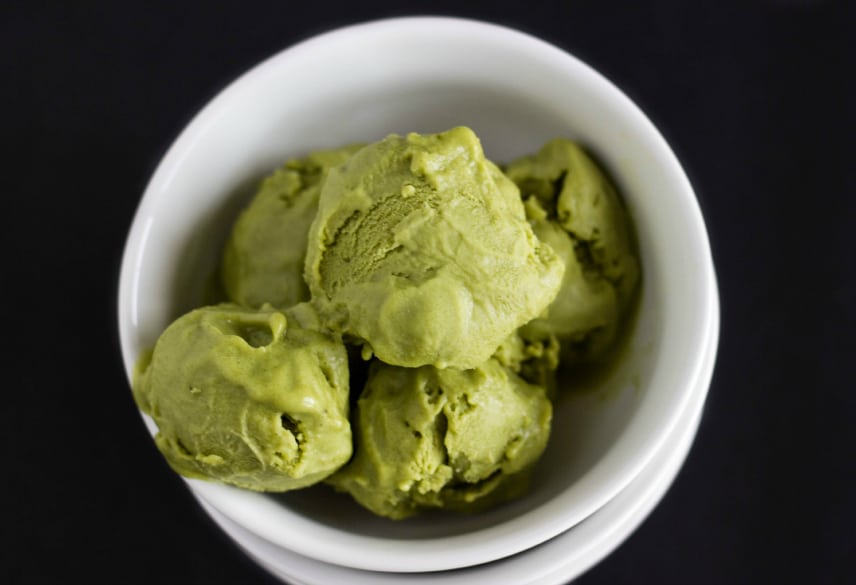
<point x="459" y="287"/>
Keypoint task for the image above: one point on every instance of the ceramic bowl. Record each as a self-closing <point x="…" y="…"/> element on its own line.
<point x="425" y="74"/>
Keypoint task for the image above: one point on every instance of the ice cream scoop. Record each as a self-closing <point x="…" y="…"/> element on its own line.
<point x="574" y="208"/>
<point x="422" y="251"/>
<point x="248" y="397"/>
<point x="263" y="258"/>
<point x="454" y="439"/>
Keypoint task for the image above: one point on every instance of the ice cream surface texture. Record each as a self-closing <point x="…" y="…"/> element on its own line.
<point x="248" y="397"/>
<point x="459" y="287"/>
<point x="422" y="246"/>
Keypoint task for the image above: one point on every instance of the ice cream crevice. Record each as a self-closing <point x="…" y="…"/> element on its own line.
<point x="289" y="424"/>
<point x="292" y="428"/>
<point x="433" y="391"/>
<point x="441" y="428"/>
<point x="557" y="185"/>
<point x="182" y="449"/>
<point x="584" y="252"/>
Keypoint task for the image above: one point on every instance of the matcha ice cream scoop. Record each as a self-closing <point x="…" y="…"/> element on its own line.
<point x="422" y="250"/>
<point x="574" y="208"/>
<point x="454" y="439"/>
<point x="248" y="397"/>
<point x="263" y="258"/>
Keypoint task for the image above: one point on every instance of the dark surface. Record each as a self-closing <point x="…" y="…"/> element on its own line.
<point x="758" y="102"/>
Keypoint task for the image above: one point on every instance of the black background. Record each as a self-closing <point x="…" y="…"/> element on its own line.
<point x="757" y="100"/>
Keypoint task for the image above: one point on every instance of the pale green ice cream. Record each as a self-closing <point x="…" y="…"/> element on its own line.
<point x="248" y="397"/>
<point x="574" y="208"/>
<point x="470" y="287"/>
<point x="422" y="252"/>
<point x="453" y="439"/>
<point x="263" y="258"/>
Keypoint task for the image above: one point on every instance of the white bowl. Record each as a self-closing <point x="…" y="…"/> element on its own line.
<point x="428" y="74"/>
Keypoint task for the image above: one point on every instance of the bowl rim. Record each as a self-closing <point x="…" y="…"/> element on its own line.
<point x="481" y="545"/>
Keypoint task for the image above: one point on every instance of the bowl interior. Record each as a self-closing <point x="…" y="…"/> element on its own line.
<point x="427" y="75"/>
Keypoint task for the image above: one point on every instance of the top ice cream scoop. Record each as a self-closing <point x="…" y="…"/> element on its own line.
<point x="422" y="251"/>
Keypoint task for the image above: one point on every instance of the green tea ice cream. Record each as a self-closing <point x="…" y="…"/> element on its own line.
<point x="454" y="439"/>
<point x="464" y="286"/>
<point x="249" y="398"/>
<point x="421" y="251"/>
<point x="263" y="259"/>
<point x="574" y="208"/>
